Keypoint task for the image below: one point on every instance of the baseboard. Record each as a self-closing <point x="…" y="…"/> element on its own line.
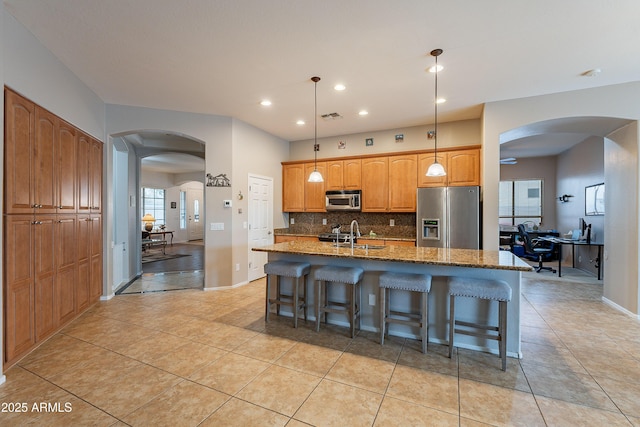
<point x="219" y="288"/>
<point x="620" y="308"/>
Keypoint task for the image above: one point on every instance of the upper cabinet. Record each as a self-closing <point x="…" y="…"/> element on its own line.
<point x="293" y="182"/>
<point x="375" y="184"/>
<point x="462" y="167"/>
<point x="403" y="183"/>
<point x="314" y="199"/>
<point x="388" y="182"/>
<point x="343" y="174"/>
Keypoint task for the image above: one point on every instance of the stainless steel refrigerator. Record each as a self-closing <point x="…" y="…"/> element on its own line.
<point x="448" y="217"/>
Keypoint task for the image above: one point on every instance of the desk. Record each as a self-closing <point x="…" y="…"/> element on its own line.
<point x="574" y="243"/>
<point x="148" y="243"/>
<point x="163" y="233"/>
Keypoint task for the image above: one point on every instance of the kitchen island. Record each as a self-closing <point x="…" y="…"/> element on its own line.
<point x="440" y="263"/>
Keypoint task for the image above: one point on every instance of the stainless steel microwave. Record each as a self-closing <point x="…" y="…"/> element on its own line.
<point x="343" y="200"/>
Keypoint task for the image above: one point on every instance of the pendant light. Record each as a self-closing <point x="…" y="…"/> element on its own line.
<point x="315" y="175"/>
<point x="436" y="169"/>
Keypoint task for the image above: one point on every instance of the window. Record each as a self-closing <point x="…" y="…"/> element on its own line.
<point x="153" y="203"/>
<point x="520" y="202"/>
<point x="183" y="210"/>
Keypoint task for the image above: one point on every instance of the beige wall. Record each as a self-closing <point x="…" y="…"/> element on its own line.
<point x="619" y="101"/>
<point x="537" y="168"/>
<point x="453" y="134"/>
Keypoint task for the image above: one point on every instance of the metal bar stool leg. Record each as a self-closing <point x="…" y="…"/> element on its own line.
<point x="452" y="323"/>
<point x="383" y="311"/>
<point x="268" y="296"/>
<point x="424" y="327"/>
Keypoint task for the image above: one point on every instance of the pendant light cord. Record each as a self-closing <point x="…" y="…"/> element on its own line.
<point x="435" y="153"/>
<point x="315" y="123"/>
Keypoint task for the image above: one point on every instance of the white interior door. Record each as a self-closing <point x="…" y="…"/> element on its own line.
<point x="195" y="215"/>
<point x="260" y="222"/>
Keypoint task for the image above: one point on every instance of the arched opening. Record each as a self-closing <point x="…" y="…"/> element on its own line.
<point x="158" y="175"/>
<point x="577" y="153"/>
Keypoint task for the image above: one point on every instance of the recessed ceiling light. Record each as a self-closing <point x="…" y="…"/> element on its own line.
<point x="363" y="112"/>
<point x="339" y="87"/>
<point x="300" y="122"/>
<point x="265" y="102"/>
<point x="440" y="101"/>
<point x="434" y="69"/>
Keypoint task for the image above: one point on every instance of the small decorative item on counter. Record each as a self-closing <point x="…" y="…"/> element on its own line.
<point x="372" y="234"/>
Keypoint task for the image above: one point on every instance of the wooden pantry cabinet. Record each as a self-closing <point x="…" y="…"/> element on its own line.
<point x="46" y="281"/>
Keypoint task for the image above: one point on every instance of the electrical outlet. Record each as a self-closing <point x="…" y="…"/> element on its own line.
<point x="292" y="221"/>
<point x="237" y="267"/>
<point x="392" y="222"/>
<point x="372" y="299"/>
<point x="324" y="221"/>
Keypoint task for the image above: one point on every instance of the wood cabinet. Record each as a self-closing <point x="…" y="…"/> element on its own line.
<point x="45" y="172"/>
<point x="375" y="184"/>
<point x="314" y="192"/>
<point x="19" y="286"/>
<point x="344" y="174"/>
<point x="403" y="183"/>
<point x="89" y="172"/>
<point x="386" y="242"/>
<point x="293" y="183"/>
<point x="462" y="167"/>
<point x="388" y="182"/>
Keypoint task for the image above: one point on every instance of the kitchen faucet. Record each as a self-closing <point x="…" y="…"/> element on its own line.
<point x="357" y="231"/>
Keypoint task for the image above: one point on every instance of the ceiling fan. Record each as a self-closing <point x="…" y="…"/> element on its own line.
<point x="508" y="161"/>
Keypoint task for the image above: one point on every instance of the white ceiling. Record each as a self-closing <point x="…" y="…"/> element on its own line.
<point x="224" y="56"/>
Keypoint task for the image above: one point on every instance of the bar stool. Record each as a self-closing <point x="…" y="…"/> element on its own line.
<point x="496" y="290"/>
<point x="345" y="275"/>
<point x="295" y="270"/>
<point x="420" y="283"/>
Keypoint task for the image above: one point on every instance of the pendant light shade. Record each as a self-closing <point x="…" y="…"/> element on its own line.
<point x="315" y="176"/>
<point x="436" y="169"/>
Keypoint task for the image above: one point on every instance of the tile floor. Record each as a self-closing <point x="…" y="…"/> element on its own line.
<point x="193" y="358"/>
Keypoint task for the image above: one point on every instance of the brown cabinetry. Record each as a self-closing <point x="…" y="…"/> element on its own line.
<point x="375" y="184"/>
<point x="344" y="174"/>
<point x="462" y="167"/>
<point x="89" y="172"/>
<point x="43" y="283"/>
<point x="285" y="238"/>
<point x="293" y="182"/>
<point x="403" y="183"/>
<point x="314" y="197"/>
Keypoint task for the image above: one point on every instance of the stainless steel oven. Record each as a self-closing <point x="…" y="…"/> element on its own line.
<point x="343" y="200"/>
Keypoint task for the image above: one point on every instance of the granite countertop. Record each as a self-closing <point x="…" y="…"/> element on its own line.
<point x="499" y="260"/>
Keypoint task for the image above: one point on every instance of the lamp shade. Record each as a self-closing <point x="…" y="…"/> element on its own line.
<point x="148" y="218"/>
<point x="315" y="177"/>
<point x="436" y="169"/>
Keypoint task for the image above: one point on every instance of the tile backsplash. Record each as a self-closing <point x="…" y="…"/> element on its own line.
<point x="311" y="223"/>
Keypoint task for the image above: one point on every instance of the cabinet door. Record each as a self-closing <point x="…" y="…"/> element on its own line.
<point x="464" y="167"/>
<point x="403" y="183"/>
<point x="44" y="162"/>
<point x="293" y="181"/>
<point x="314" y="192"/>
<point x="83" y="257"/>
<point x="95" y="176"/>
<point x="45" y="272"/>
<point x="352" y="174"/>
<point x="19" y="320"/>
<point x="95" y="270"/>
<point x="19" y="128"/>
<point x="334" y="178"/>
<point x="83" y="167"/>
<point x="375" y="184"/>
<point x="66" y="262"/>
<point x="424" y="161"/>
<point x="66" y="153"/>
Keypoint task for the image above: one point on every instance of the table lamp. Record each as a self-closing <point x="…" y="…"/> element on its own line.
<point x="148" y="220"/>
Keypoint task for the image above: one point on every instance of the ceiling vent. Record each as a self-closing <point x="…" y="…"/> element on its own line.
<point x="331" y="116"/>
